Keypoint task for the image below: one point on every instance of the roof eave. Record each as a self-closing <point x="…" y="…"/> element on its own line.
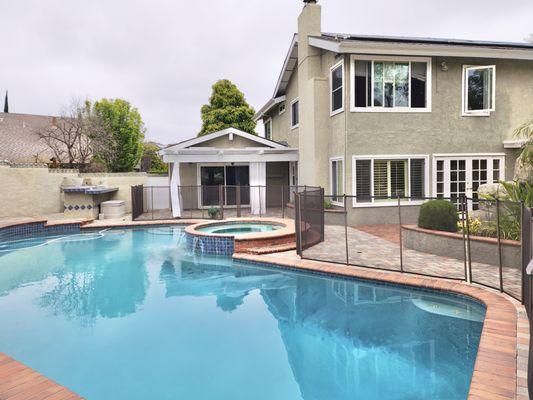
<point x="418" y="49"/>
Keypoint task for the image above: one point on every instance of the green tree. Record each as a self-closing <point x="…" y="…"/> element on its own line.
<point x="127" y="130"/>
<point x="227" y="108"/>
<point x="157" y="165"/>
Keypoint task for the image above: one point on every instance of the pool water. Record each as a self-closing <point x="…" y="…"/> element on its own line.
<point x="238" y="228"/>
<point x="131" y="314"/>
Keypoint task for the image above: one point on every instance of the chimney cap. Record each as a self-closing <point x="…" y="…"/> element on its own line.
<point x="310" y="1"/>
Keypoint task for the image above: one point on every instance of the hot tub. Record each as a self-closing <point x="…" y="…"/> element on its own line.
<point x="239" y="235"/>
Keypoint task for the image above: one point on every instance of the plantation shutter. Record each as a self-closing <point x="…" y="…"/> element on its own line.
<point x="417" y="178"/>
<point x="381" y="186"/>
<point x="398" y="178"/>
<point x="363" y="185"/>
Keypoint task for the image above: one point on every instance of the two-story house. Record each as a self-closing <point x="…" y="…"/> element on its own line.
<point x="378" y="117"/>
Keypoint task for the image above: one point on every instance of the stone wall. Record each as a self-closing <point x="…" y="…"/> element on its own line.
<point x="30" y="190"/>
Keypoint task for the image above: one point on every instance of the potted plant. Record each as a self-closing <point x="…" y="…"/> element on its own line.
<point x="213" y="212"/>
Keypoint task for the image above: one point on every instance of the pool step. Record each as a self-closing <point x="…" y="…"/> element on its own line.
<point x="278" y="248"/>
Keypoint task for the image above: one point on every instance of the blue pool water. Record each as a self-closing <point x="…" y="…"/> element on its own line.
<point x="236" y="228"/>
<point x="132" y="315"/>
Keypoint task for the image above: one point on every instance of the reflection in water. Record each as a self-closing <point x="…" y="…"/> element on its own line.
<point x="133" y="316"/>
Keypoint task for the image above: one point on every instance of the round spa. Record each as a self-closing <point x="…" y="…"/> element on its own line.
<point x="239" y="235"/>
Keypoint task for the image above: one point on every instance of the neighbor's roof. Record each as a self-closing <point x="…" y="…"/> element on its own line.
<point x="396" y="45"/>
<point x="18" y="139"/>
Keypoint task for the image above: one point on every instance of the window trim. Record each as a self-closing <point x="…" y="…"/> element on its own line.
<point x="332" y="112"/>
<point x="429" y="84"/>
<point x="280" y="111"/>
<point x="406" y="157"/>
<point x="297" y="99"/>
<point x="464" y="100"/>
<point x="267" y="121"/>
<point x="331" y="160"/>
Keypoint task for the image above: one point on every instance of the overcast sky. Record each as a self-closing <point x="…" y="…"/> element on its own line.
<point x="164" y="55"/>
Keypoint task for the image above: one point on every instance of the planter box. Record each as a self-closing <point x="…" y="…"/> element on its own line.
<point x="482" y="249"/>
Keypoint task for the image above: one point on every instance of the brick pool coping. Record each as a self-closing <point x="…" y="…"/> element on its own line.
<point x="495" y="369"/>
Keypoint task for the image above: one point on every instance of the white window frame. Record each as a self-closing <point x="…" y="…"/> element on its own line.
<point x="331" y="160"/>
<point x="332" y="112"/>
<point x="267" y="121"/>
<point x="468" y="157"/>
<point x="372" y="108"/>
<point x="281" y="108"/>
<point x="297" y="99"/>
<point x="372" y="158"/>
<point x="464" y="89"/>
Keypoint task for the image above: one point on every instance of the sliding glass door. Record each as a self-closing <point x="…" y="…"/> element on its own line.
<point x="230" y="176"/>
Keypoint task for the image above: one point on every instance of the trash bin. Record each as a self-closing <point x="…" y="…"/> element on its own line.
<point x="113" y="209"/>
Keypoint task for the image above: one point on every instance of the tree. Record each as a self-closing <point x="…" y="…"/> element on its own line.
<point x="227" y="108"/>
<point x="156" y="163"/>
<point x="126" y="127"/>
<point x="76" y="135"/>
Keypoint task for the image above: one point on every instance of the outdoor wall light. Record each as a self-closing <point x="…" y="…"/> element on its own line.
<point x="444" y="66"/>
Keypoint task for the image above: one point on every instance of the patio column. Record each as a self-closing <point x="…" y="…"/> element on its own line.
<point x="175" y="194"/>
<point x="258" y="187"/>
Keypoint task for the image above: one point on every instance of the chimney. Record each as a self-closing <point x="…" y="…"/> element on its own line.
<point x="312" y="89"/>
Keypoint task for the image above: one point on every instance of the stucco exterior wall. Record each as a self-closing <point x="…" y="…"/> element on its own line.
<point x="36" y="191"/>
<point x="443" y="130"/>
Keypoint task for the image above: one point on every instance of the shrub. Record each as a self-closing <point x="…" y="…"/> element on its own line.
<point x="438" y="215"/>
<point x="213" y="212"/>
<point x="327" y="204"/>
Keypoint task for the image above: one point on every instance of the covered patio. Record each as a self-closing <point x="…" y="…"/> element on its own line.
<point x="229" y="169"/>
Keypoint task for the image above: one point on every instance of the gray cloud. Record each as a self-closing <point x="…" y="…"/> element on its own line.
<point x="164" y="55"/>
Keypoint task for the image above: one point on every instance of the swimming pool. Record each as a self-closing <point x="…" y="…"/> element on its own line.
<point x="238" y="228"/>
<point x="131" y="314"/>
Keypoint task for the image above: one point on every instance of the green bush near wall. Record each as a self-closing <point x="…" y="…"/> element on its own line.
<point x="438" y="215"/>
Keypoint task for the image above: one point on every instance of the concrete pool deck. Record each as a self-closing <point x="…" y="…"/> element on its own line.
<point x="500" y="370"/>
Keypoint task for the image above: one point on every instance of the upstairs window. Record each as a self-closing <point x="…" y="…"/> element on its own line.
<point x="479" y="89"/>
<point x="391" y="84"/>
<point x="295" y="114"/>
<point x="337" y="88"/>
<point x="268" y="129"/>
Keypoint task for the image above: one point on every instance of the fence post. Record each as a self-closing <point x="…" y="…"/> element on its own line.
<point x="400" y="232"/>
<point x="499" y="243"/>
<point x="282" y="201"/>
<point x="304" y="245"/>
<point x="463" y="216"/>
<point x="152" y="200"/>
<point x="525" y="256"/>
<point x="345" y="230"/>
<point x="238" y="198"/>
<point x="221" y="200"/>
<point x="260" y="208"/>
<point x="298" y="224"/>
<point x="469" y="253"/>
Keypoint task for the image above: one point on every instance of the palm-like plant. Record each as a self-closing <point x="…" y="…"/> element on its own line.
<point x="525" y="132"/>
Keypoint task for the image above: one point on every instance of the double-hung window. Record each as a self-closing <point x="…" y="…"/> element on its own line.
<point x="337" y="88"/>
<point x="336" y="174"/>
<point x="295" y="113"/>
<point x="381" y="180"/>
<point x="479" y="89"/>
<point x="268" y="129"/>
<point x="391" y="84"/>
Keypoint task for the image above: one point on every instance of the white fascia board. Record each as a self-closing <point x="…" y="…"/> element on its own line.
<point x="267" y="107"/>
<point x="514" y="144"/>
<point x="419" y="49"/>
<point x="228" y="158"/>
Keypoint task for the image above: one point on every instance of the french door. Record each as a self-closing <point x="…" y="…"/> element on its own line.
<point x="457" y="176"/>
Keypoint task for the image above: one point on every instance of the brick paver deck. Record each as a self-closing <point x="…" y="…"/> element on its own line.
<point x="365" y="249"/>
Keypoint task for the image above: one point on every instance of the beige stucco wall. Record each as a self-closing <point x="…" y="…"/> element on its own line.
<point x="443" y="130"/>
<point x="36" y="191"/>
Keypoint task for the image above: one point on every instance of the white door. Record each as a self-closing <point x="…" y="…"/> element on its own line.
<point x="458" y="176"/>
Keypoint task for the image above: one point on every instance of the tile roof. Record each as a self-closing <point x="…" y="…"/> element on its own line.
<point x="18" y="139"/>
